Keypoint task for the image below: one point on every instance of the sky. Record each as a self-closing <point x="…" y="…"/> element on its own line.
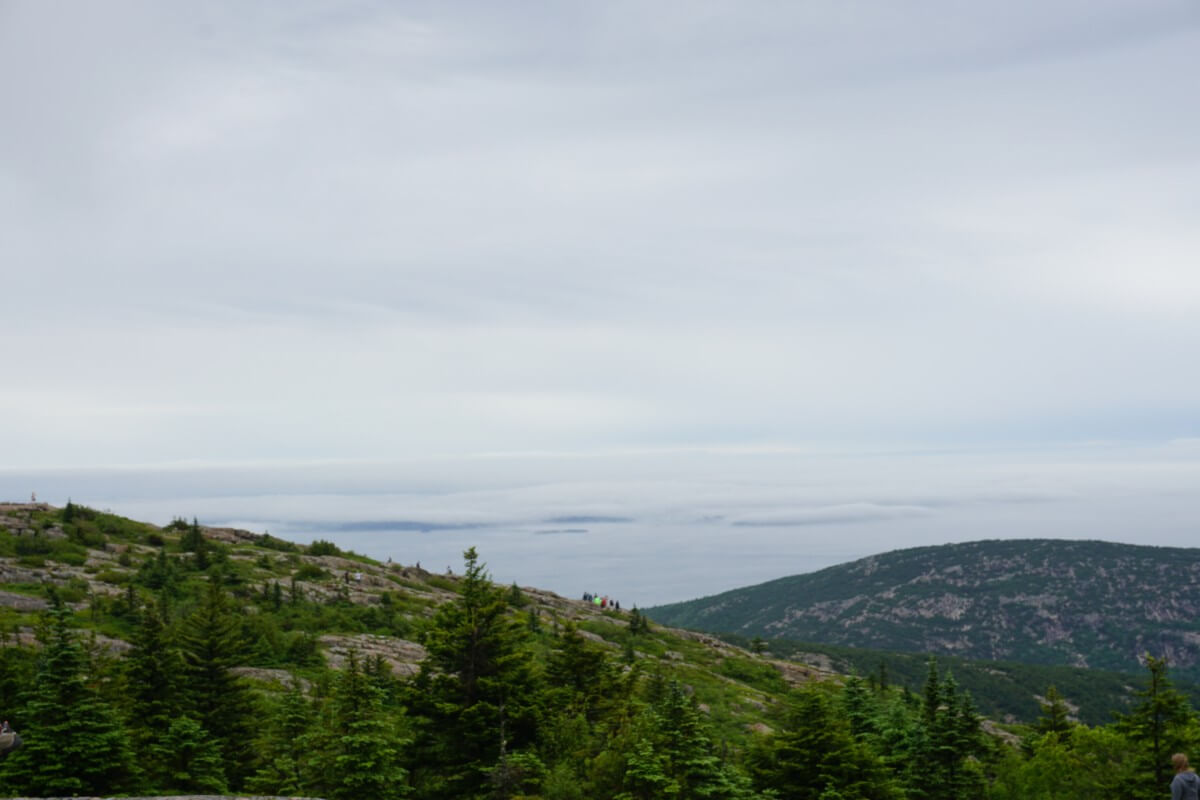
<point x="651" y="298"/>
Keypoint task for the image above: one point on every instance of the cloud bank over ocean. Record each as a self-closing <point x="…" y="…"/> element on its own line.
<point x="738" y="291"/>
<point x="675" y="524"/>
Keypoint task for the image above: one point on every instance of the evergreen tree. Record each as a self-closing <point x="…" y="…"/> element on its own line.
<point x="899" y="736"/>
<point x="191" y="759"/>
<point x="660" y="746"/>
<point x="638" y="622"/>
<point x="1159" y="726"/>
<point x="160" y="572"/>
<point x="18" y="665"/>
<point x="215" y="697"/>
<point x="193" y="541"/>
<point x="962" y="742"/>
<point x="358" y="750"/>
<point x="882" y="679"/>
<point x="647" y="773"/>
<point x="74" y="743"/>
<point x="285" y="745"/>
<point x="1082" y="764"/>
<point x="938" y="753"/>
<point x="152" y="669"/>
<point x="859" y="708"/>
<point x="691" y="760"/>
<point x="579" y="674"/>
<point x="815" y="755"/>
<point x="475" y="695"/>
<point x="1055" y="716"/>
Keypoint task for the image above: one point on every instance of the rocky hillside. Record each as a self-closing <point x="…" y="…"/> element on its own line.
<point x="1080" y="603"/>
<point x="94" y="560"/>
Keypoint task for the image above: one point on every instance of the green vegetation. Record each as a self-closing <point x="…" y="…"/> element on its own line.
<point x="1004" y="690"/>
<point x="224" y="686"/>
<point x="1039" y="601"/>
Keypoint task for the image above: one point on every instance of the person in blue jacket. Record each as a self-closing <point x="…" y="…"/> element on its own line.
<point x="1186" y="784"/>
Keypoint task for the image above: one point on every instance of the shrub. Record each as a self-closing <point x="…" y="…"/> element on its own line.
<point x="323" y="548"/>
<point x="33" y="545"/>
<point x="311" y="572"/>
<point x="85" y="532"/>
<point x="73" y="590"/>
<point x="755" y="673"/>
<point x="72" y="557"/>
<point x="271" y="543"/>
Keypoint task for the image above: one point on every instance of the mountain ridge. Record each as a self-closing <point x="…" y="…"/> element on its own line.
<point x="93" y="561"/>
<point x="1084" y="603"/>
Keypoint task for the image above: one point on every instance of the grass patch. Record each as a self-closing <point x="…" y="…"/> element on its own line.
<point x="311" y="573"/>
<point x="442" y="583"/>
<point x="758" y="674"/>
<point x="114" y="576"/>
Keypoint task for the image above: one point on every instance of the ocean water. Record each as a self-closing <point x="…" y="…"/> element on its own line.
<point x="661" y="526"/>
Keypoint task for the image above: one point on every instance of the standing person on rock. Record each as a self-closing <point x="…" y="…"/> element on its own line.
<point x="1186" y="784"/>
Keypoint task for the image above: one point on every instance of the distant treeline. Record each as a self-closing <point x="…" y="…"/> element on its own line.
<point x="1003" y="690"/>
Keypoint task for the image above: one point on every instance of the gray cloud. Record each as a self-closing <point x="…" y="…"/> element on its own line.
<point x="829" y="515"/>
<point x="670" y="523"/>
<point x="319" y="256"/>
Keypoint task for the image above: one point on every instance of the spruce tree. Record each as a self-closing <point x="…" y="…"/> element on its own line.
<point x="579" y="674"/>
<point x="193" y="541"/>
<point x="215" y="697"/>
<point x="74" y="742"/>
<point x="815" y="754"/>
<point x="152" y="672"/>
<point x="191" y="759"/>
<point x="358" y="751"/>
<point x="285" y="745"/>
<point x="691" y="759"/>
<point x="17" y="669"/>
<point x="1054" y="717"/>
<point x="476" y="695"/>
<point x="945" y="740"/>
<point x="1158" y="726"/>
<point x="859" y="707"/>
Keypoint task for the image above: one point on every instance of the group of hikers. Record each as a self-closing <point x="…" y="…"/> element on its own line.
<point x="603" y="601"/>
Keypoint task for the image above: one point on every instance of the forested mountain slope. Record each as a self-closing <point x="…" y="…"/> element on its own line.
<point x="198" y="660"/>
<point x="1042" y="601"/>
<point x="189" y="660"/>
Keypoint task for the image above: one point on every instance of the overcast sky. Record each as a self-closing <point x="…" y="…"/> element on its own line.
<point x="769" y="264"/>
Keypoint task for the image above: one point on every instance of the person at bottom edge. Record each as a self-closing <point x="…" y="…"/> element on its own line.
<point x="1186" y="784"/>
